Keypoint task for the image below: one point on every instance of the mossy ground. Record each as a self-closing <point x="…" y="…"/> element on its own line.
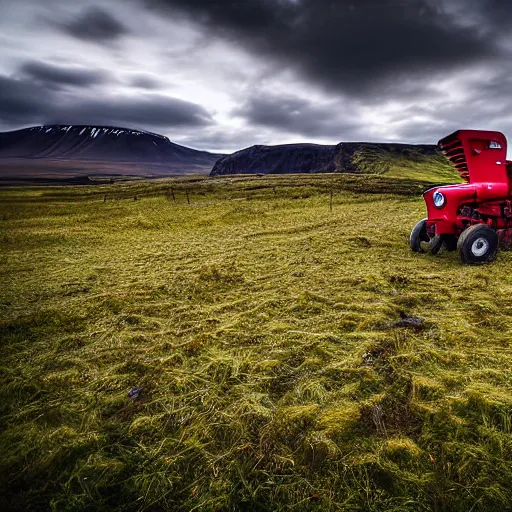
<point x="259" y="324"/>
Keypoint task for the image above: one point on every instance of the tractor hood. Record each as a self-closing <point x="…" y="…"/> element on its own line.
<point x="443" y="202"/>
<point x="479" y="156"/>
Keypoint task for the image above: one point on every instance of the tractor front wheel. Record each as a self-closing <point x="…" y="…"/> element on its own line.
<point x="418" y="235"/>
<point x="478" y="244"/>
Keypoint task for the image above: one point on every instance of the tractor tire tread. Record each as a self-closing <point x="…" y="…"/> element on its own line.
<point x="464" y="242"/>
<point x="414" y="238"/>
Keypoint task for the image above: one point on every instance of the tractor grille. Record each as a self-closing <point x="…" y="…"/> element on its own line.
<point x="451" y="146"/>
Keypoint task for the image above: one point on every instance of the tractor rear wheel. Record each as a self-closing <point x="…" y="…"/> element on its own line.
<point x="418" y="235"/>
<point x="478" y="244"/>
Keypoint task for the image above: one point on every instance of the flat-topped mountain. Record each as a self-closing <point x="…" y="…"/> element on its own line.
<point x="73" y="149"/>
<point x="352" y="157"/>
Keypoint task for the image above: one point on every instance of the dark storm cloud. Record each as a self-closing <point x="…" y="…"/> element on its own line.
<point x="62" y="75"/>
<point x="497" y="12"/>
<point x="348" y="46"/>
<point x="95" y="24"/>
<point x="21" y="102"/>
<point x="151" y="110"/>
<point x="297" y="115"/>
<point x="144" y="81"/>
<point x="24" y="102"/>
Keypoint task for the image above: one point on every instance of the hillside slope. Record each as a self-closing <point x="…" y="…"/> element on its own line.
<point x="418" y="161"/>
<point x="71" y="149"/>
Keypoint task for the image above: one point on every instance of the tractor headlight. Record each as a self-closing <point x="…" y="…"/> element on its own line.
<point x="439" y="199"/>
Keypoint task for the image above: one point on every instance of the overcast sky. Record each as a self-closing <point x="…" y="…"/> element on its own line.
<point x="222" y="75"/>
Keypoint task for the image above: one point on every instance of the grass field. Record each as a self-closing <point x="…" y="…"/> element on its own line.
<point x="258" y="319"/>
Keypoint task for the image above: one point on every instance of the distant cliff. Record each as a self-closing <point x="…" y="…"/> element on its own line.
<point x="287" y="158"/>
<point x="352" y="157"/>
<point x="71" y="149"/>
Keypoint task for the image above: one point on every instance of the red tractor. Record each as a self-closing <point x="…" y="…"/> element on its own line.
<point x="472" y="217"/>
